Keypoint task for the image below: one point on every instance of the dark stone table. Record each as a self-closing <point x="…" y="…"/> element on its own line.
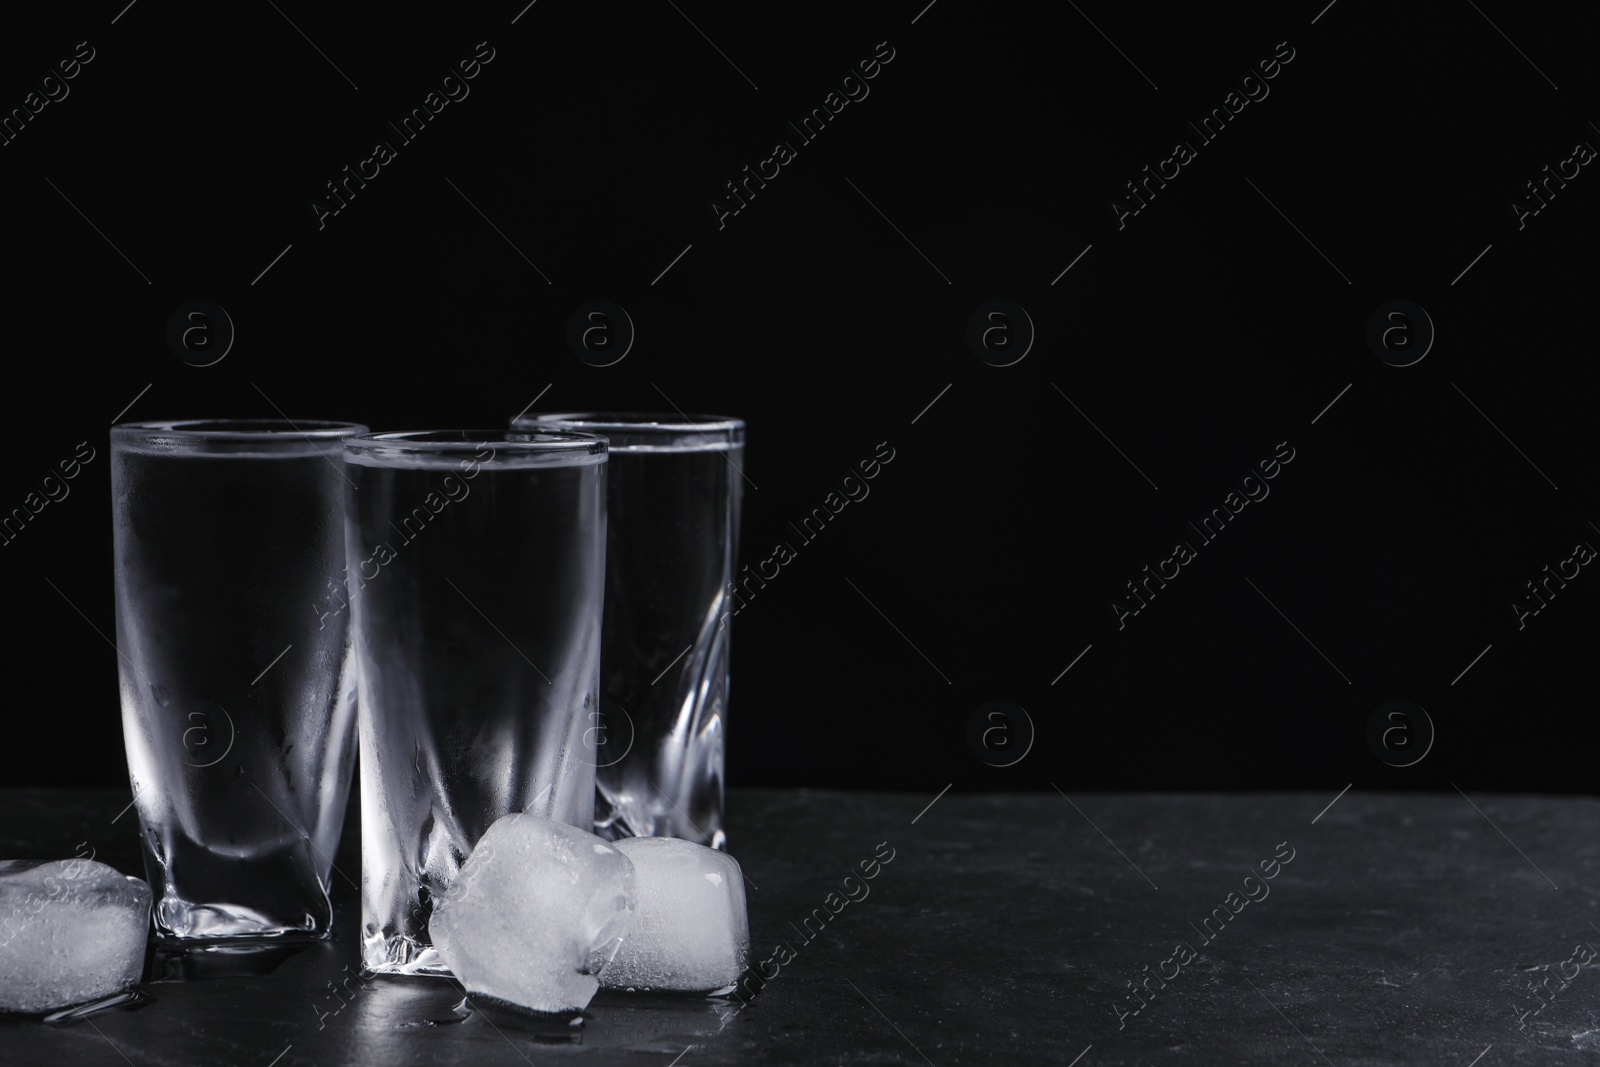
<point x="1005" y="929"/>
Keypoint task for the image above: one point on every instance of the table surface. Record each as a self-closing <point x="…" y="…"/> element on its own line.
<point x="1406" y="929"/>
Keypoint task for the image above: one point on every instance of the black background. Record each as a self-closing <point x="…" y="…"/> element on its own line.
<point x="1196" y="338"/>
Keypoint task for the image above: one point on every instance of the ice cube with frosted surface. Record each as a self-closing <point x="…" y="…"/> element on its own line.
<point x="71" y="931"/>
<point x="533" y="915"/>
<point x="690" y="933"/>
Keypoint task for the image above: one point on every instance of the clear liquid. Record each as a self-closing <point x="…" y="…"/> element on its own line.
<point x="240" y="765"/>
<point x="479" y="646"/>
<point x="671" y="543"/>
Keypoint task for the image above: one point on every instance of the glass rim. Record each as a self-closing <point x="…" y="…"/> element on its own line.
<point x="231" y="438"/>
<point x="240" y="430"/>
<point x="640" y="432"/>
<point x="637" y="422"/>
<point x="507" y="448"/>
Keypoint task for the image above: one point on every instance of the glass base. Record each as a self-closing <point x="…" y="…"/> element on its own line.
<point x="181" y="921"/>
<point x="618" y="817"/>
<point x="401" y="955"/>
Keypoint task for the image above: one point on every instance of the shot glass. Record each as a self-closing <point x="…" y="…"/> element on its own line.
<point x="672" y="538"/>
<point x="476" y="561"/>
<point x="238" y="702"/>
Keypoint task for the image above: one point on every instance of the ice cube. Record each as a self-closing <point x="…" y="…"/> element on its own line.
<point x="534" y="914"/>
<point x="690" y="933"/>
<point x="71" y="931"/>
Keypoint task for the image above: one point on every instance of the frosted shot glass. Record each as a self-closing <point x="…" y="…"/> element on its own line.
<point x="672" y="538"/>
<point x="238" y="704"/>
<point x="477" y="563"/>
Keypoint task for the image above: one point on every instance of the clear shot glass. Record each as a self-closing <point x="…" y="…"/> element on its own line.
<point x="676" y="485"/>
<point x="476" y="563"/>
<point x="238" y="700"/>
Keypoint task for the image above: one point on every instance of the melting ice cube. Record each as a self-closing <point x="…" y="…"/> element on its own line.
<point x="71" y="931"/>
<point x="535" y="913"/>
<point x="690" y="933"/>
